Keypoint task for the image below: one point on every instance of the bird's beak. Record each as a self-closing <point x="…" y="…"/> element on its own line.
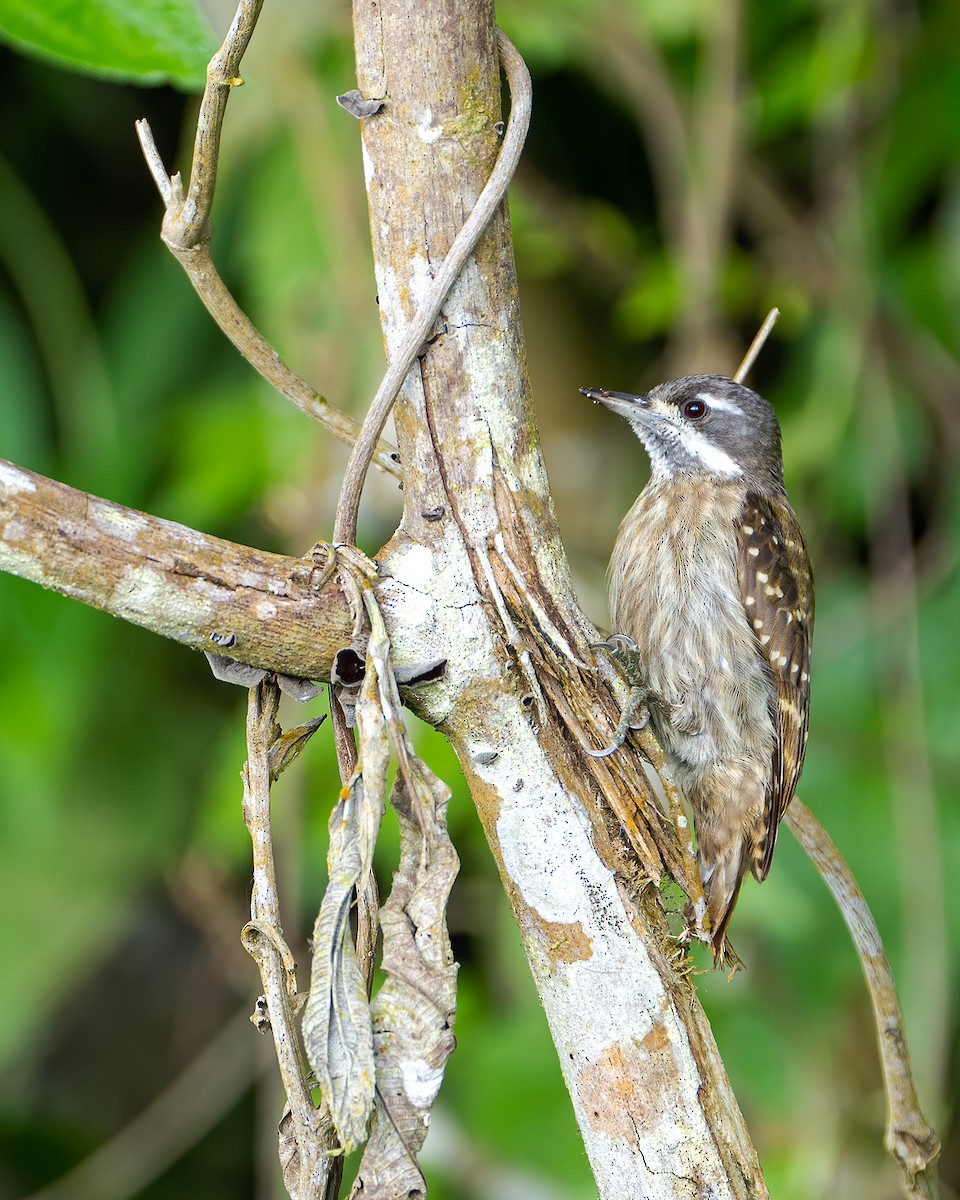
<point x="619" y="402"/>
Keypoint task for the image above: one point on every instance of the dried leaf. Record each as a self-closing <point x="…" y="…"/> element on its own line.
<point x="357" y="106"/>
<point x="374" y="752"/>
<point x="323" y="1181"/>
<point x="414" y="1010"/>
<point x="289" y="1153"/>
<point x="289" y="744"/>
<point x="415" y="674"/>
<point x="347" y="668"/>
<point x="297" y="688"/>
<point x="337" y="1032"/>
<point x="378" y="654"/>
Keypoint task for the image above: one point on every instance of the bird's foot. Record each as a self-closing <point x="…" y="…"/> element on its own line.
<point x="695" y="913"/>
<point x="624" y="651"/>
<point x="636" y="711"/>
<point x="635" y="715"/>
<point x="680" y="957"/>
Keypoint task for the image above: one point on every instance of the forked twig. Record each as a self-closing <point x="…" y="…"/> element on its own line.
<point x="756" y="345"/>
<point x="521" y="99"/>
<point x="263" y="939"/>
<point x="908" y="1138"/>
<point x="186" y="231"/>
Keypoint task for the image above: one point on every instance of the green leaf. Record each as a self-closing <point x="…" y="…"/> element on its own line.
<point x="141" y="41"/>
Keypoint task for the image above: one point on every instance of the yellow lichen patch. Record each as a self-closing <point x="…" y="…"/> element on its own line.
<point x="473" y="119"/>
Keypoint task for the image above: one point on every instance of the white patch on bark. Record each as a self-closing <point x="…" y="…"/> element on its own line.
<point x="144" y="589"/>
<point x="15" y="480"/>
<point x="369" y="170"/>
<point x="546" y="846"/>
<point x="119" y="523"/>
<point x="426" y="130"/>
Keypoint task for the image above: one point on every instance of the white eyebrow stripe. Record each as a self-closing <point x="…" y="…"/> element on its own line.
<point x="712" y="457"/>
<point x="720" y="404"/>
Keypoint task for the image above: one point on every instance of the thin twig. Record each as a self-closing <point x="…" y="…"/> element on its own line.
<point x="186" y="231"/>
<point x="756" y="345"/>
<point x="263" y="939"/>
<point x="223" y="74"/>
<point x="271" y="611"/>
<point x="908" y="1138"/>
<point x="521" y="98"/>
<point x="903" y="716"/>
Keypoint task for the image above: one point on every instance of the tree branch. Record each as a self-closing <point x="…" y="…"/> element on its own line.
<point x="909" y="1139"/>
<point x="268" y="610"/>
<point x="187" y="230"/>
<point x="753" y="351"/>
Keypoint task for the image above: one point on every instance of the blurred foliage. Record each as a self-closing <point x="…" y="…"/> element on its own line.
<point x="150" y="41"/>
<point x="689" y="164"/>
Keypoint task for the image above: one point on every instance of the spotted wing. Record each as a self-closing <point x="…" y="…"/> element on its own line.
<point x="776" y="584"/>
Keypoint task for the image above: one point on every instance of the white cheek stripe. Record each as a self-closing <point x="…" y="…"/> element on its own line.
<point x="712" y="457"/>
<point x="720" y="404"/>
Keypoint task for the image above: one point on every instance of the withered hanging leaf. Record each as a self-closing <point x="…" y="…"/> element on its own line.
<point x="289" y="744"/>
<point x="378" y="657"/>
<point x="337" y="1032"/>
<point x="347" y="668"/>
<point x="323" y="1183"/>
<point x="289" y="1153"/>
<point x="415" y="674"/>
<point x="374" y="751"/>
<point x="414" y="1010"/>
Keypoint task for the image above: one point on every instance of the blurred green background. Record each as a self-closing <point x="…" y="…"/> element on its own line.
<point x="690" y="163"/>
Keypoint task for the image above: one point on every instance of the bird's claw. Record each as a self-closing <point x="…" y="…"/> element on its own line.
<point x="636" y="700"/>
<point x="616" y="643"/>
<point x="625" y="651"/>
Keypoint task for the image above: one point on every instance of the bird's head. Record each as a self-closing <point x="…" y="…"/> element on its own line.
<point x="703" y="425"/>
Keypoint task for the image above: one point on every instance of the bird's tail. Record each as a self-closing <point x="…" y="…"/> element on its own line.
<point x="722" y="877"/>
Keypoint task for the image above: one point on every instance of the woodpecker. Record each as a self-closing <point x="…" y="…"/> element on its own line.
<point x="711" y="579"/>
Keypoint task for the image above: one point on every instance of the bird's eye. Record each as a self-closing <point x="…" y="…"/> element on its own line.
<point x="693" y="410"/>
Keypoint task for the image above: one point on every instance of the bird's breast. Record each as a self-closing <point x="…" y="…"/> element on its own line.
<point x="674" y="589"/>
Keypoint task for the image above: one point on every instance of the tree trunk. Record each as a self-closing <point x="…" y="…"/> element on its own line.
<point x="476" y="574"/>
